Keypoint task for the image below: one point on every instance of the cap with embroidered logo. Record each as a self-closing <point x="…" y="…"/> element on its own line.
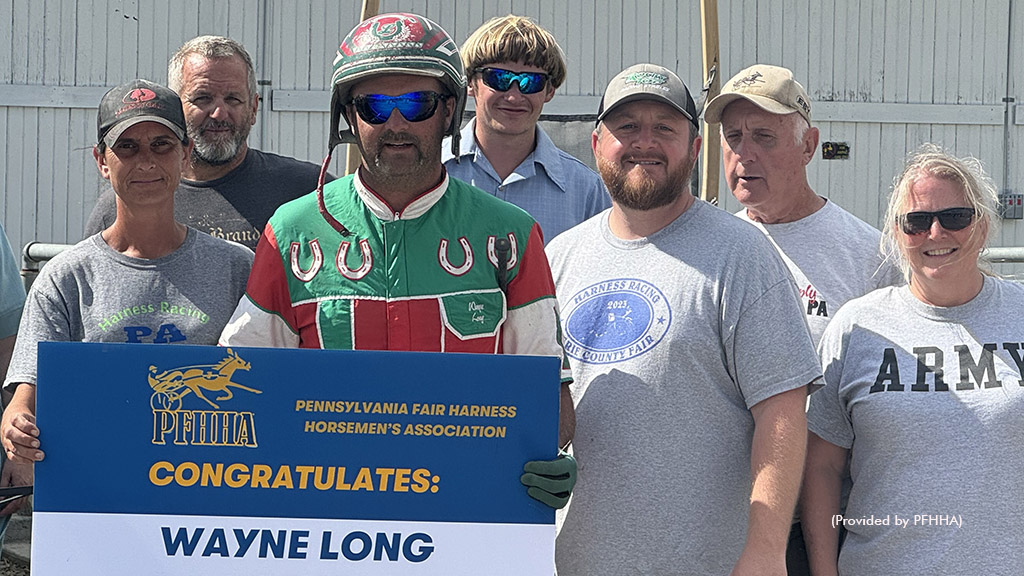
<point x="648" y="82"/>
<point x="138" y="101"/>
<point x="771" y="88"/>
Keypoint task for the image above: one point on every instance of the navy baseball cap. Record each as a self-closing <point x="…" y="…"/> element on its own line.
<point x="138" y="101"/>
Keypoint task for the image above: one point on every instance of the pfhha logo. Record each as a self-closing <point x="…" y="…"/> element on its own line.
<point x="170" y="386"/>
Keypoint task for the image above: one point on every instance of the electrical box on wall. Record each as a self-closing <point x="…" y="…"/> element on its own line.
<point x="1011" y="206"/>
<point x="835" y="151"/>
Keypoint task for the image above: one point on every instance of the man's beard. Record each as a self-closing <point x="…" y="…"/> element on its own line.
<point x="395" y="170"/>
<point x="636" y="189"/>
<point x="219" y="150"/>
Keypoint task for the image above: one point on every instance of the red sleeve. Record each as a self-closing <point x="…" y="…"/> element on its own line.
<point x="532" y="279"/>
<point x="267" y="287"/>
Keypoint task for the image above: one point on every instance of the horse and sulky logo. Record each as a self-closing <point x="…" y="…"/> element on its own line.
<point x="200" y="427"/>
<point x="615" y="320"/>
<point x="748" y="81"/>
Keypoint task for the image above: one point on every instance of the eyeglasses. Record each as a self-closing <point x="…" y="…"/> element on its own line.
<point x="501" y="80"/>
<point x="414" y="106"/>
<point x="951" y="219"/>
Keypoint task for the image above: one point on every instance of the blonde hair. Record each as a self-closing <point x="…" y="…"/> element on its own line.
<point x="967" y="174"/>
<point x="514" y="39"/>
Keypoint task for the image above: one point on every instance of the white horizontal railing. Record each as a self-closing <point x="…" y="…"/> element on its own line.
<point x="1004" y="254"/>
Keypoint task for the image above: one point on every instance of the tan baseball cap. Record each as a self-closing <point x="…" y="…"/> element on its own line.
<point x="772" y="88"/>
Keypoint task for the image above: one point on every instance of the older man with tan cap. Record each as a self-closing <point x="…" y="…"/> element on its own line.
<point x="690" y="364"/>
<point x="767" y="143"/>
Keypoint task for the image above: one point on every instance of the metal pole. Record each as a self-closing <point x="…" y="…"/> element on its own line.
<point x="1000" y="254"/>
<point x="1008" y="101"/>
<point x="712" y="146"/>
<point x="33" y="256"/>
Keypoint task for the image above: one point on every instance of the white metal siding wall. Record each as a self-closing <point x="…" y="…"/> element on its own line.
<point x="890" y="75"/>
<point x="869" y="65"/>
<point x="56" y="61"/>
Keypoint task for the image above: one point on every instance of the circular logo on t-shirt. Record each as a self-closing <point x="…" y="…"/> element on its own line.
<point x="615" y="320"/>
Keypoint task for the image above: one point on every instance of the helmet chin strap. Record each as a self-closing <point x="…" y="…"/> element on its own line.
<point x="320" y="198"/>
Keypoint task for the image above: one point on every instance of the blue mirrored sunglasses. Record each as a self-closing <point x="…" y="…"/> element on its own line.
<point x="501" y="80"/>
<point x="413" y="106"/>
<point x="950" y="219"/>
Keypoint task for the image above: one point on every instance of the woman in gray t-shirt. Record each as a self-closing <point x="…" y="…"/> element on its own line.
<point x="924" y="392"/>
<point x="146" y="278"/>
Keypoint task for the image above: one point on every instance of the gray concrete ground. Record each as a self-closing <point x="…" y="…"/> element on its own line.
<point x="13" y="568"/>
<point x="17" y="544"/>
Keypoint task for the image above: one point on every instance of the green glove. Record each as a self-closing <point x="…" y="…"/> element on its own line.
<point x="550" y="481"/>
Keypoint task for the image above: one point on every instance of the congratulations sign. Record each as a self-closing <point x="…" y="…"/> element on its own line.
<point x="204" y="460"/>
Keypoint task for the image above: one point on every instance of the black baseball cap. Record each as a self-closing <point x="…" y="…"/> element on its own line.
<point x="138" y="101"/>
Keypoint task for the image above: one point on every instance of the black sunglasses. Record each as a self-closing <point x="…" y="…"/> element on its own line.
<point x="950" y="219"/>
<point x="413" y="106"/>
<point x="501" y="80"/>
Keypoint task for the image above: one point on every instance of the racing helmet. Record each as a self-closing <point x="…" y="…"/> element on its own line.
<point x="396" y="43"/>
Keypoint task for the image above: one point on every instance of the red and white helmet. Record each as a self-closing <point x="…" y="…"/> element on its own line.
<point x="396" y="43"/>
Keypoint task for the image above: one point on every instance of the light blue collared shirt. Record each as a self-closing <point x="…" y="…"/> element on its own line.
<point x="555" y="188"/>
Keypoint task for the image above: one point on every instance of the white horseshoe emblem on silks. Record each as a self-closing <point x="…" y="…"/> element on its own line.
<point x="513" y="256"/>
<point x="318" y="260"/>
<point x="364" y="269"/>
<point x="442" y="257"/>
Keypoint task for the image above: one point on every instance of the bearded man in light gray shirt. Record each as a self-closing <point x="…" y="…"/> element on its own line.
<point x="690" y="360"/>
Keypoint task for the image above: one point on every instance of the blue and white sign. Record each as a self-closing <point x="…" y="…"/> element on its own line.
<point x="615" y="320"/>
<point x="204" y="460"/>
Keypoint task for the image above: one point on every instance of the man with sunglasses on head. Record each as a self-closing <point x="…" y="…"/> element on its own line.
<point x="767" y="143"/>
<point x="514" y="67"/>
<point x="400" y="256"/>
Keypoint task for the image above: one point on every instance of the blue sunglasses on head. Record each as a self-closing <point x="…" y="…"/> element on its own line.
<point x="501" y="80"/>
<point x="413" y="106"/>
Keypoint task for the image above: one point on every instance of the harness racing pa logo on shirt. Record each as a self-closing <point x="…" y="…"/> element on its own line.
<point x="615" y="320"/>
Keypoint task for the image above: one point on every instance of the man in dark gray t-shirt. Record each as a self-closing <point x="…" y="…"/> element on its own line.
<point x="227" y="189"/>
